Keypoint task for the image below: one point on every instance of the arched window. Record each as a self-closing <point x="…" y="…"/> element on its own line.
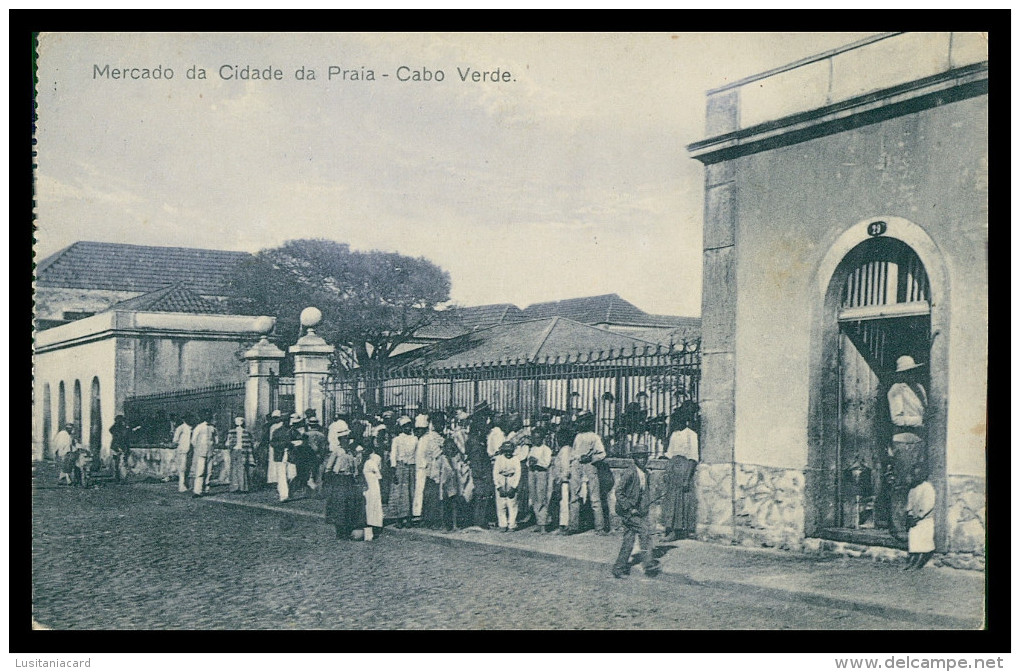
<point x="95" y="417"/>
<point x="883" y="296"/>
<point x="61" y="406"/>
<point x="76" y="409"/>
<point x="47" y="420"/>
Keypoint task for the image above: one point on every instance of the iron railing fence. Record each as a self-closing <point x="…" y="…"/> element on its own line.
<point x="281" y="393"/>
<point x="631" y="393"/>
<point x="157" y="414"/>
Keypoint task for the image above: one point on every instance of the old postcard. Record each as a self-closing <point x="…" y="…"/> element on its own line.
<point x="510" y="330"/>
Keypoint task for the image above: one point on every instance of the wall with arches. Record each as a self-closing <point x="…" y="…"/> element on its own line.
<point x="80" y="364"/>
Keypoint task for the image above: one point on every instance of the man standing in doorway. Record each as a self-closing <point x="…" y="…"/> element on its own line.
<point x="908" y="405"/>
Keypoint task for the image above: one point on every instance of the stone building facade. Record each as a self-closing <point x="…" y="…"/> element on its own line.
<point x="846" y="225"/>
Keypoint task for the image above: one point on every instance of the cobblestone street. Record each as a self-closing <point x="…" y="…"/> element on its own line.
<point x="142" y="556"/>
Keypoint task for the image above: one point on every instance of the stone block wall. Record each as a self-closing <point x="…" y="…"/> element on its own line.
<point x="966" y="514"/>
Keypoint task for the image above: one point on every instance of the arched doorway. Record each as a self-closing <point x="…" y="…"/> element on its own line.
<point x="76" y="409"/>
<point x="47" y="420"/>
<point x="95" y="418"/>
<point x="884" y="295"/>
<point x="884" y="313"/>
<point x="61" y="406"/>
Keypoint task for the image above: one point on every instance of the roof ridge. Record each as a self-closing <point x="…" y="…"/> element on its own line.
<point x="156" y="247"/>
<point x="544" y="337"/>
<point x="51" y="259"/>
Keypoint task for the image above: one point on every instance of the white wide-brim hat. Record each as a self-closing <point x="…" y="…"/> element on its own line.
<point x="906" y="363"/>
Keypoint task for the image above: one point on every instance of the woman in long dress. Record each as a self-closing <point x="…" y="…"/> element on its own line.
<point x="679" y="504"/>
<point x="920" y="521"/>
<point x="242" y="458"/>
<point x="373" y="493"/>
<point x="345" y="499"/>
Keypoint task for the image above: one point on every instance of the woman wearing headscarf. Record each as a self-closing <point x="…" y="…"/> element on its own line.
<point x="242" y="459"/>
<point x="341" y="481"/>
<point x="679" y="504"/>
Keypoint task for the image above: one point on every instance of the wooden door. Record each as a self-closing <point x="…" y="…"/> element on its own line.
<point x="860" y="459"/>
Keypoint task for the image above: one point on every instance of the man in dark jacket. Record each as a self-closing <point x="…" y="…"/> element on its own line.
<point x="632" y="503"/>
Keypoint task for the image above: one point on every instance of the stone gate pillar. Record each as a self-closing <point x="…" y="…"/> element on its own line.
<point x="263" y="361"/>
<point x="311" y="365"/>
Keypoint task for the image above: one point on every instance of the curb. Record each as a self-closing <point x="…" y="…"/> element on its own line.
<point x="936" y="620"/>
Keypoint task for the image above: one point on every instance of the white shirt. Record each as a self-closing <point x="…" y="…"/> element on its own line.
<point x="403" y="449"/>
<point x="62" y="443"/>
<point x="506" y="472"/>
<point x="906" y="408"/>
<point x="203" y="438"/>
<point x="182" y="437"/>
<point x="495" y="441"/>
<point x="542" y="455"/>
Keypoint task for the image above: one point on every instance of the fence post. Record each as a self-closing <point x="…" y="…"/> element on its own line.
<point x="311" y="364"/>
<point x="263" y="363"/>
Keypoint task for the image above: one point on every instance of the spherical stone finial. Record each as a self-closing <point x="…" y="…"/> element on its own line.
<point x="264" y="324"/>
<point x="310" y="317"/>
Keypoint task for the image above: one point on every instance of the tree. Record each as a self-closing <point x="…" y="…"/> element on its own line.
<point x="371" y="302"/>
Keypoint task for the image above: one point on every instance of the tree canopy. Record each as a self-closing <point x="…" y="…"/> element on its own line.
<point x="371" y="302"/>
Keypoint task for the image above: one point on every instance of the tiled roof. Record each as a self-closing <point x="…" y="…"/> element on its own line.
<point x="604" y="309"/>
<point x="459" y="321"/>
<point x="669" y="335"/>
<point x="177" y="298"/>
<point x="138" y="268"/>
<point x="533" y="340"/>
<point x="480" y="317"/>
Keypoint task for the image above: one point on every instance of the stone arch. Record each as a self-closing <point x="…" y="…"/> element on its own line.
<point x="823" y="425"/>
<point x="61" y="406"/>
<point x="95" y="417"/>
<point x="76" y="409"/>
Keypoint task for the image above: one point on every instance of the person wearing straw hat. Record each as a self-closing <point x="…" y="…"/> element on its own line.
<point x="908" y="406"/>
<point x="402" y="459"/>
<point x="633" y="502"/>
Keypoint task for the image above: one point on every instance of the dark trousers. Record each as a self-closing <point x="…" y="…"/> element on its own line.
<point x="635" y="526"/>
<point x="300" y="480"/>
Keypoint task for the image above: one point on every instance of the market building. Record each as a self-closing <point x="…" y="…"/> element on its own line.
<point x="846" y="226"/>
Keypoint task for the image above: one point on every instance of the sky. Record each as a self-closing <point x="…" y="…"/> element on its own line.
<point x="570" y="179"/>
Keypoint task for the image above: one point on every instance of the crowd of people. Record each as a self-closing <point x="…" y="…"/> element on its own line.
<point x="482" y="469"/>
